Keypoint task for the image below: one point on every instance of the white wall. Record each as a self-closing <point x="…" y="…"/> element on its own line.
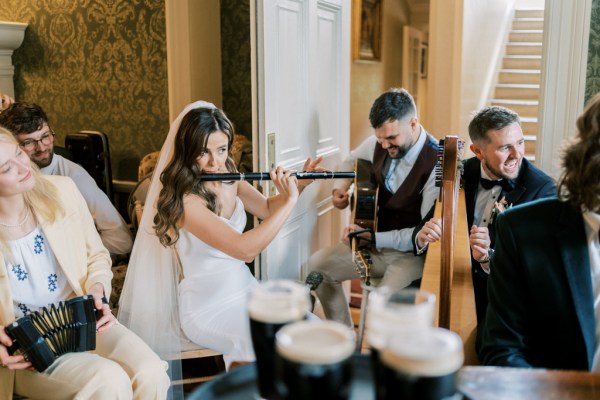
<point x="371" y="78"/>
<point x="11" y="37"/>
<point x="485" y="27"/>
<point x="563" y="77"/>
<point x="205" y="57"/>
<point x="444" y="67"/>
<point x="193" y="52"/>
<point x="531" y="4"/>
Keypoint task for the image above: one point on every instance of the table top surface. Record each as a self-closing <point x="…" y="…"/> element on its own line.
<point x="475" y="383"/>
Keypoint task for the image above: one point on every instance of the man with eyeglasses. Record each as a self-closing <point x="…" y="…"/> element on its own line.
<point x="29" y="123"/>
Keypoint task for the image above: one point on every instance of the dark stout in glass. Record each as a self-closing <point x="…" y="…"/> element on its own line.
<point x="314" y="361"/>
<point x="420" y="365"/>
<point x="390" y="310"/>
<point x="273" y="304"/>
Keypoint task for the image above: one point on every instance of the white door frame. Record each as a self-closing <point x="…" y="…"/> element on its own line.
<point x="562" y="89"/>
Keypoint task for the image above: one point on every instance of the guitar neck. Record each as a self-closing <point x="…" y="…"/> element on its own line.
<point x="362" y="260"/>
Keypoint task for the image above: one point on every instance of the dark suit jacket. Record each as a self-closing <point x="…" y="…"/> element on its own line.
<point x="541" y="311"/>
<point x="531" y="184"/>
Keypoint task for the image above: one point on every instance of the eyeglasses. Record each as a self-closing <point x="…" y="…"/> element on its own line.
<point x="30" y="144"/>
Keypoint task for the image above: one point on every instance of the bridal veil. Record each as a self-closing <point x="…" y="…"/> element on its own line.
<point x="149" y="301"/>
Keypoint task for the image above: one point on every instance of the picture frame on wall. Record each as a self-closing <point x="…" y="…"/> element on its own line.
<point x="366" y="29"/>
<point x="423" y="61"/>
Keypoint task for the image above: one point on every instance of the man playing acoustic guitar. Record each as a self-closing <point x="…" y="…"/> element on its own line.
<point x="402" y="156"/>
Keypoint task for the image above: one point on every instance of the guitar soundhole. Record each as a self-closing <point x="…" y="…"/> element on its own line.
<point x="365" y="204"/>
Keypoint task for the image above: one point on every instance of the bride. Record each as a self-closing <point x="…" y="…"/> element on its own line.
<point x="187" y="267"/>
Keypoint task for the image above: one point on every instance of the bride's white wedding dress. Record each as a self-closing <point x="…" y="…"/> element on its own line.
<point x="213" y="294"/>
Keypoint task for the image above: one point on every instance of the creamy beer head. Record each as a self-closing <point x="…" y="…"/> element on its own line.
<point x="278" y="301"/>
<point x="315" y="342"/>
<point x="432" y="352"/>
<point x="390" y="310"/>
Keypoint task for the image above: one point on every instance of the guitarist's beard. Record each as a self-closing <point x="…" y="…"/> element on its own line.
<point x="399" y="151"/>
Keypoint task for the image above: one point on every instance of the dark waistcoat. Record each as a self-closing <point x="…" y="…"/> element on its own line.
<point x="403" y="209"/>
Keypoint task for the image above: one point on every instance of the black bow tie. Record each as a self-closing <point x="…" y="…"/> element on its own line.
<point x="506" y="184"/>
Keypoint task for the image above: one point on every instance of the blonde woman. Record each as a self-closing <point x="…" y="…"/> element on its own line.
<point x="49" y="252"/>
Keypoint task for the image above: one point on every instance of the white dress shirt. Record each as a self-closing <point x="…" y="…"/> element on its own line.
<point x="113" y="230"/>
<point x="401" y="239"/>
<point x="484" y="204"/>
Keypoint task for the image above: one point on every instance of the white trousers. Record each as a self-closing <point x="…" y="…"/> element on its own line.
<point x="121" y="367"/>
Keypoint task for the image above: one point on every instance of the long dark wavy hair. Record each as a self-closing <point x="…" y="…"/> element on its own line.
<point x="579" y="183"/>
<point x="182" y="176"/>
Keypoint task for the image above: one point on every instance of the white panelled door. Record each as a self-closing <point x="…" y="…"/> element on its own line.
<point x="302" y="88"/>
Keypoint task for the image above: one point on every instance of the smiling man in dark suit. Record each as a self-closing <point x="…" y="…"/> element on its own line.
<point x="498" y="177"/>
<point x="544" y="285"/>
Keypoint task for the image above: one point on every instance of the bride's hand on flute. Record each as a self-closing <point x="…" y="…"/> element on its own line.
<point x="310" y="165"/>
<point x="286" y="185"/>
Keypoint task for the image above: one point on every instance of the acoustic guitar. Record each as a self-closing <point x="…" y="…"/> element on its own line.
<point x="362" y="261"/>
<point x="364" y="201"/>
<point x="364" y="214"/>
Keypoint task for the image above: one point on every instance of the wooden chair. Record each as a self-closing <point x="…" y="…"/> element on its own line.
<point x="192" y="373"/>
<point x="447" y="269"/>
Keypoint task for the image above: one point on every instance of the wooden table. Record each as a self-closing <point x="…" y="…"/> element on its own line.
<point x="517" y="383"/>
<point x="475" y="383"/>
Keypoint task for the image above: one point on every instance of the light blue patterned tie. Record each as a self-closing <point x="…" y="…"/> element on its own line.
<point x="390" y="179"/>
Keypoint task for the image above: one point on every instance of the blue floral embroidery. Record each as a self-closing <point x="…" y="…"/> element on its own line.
<point x="24" y="309"/>
<point x="52" y="285"/>
<point x="19" y="272"/>
<point x="38" y="246"/>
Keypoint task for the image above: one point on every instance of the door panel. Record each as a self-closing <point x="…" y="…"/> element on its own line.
<point x="303" y="100"/>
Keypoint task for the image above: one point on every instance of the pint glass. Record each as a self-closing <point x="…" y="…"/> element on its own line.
<point x="393" y="310"/>
<point x="421" y="365"/>
<point x="271" y="305"/>
<point x="314" y="361"/>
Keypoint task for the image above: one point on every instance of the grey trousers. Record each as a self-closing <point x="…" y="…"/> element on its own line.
<point x="397" y="270"/>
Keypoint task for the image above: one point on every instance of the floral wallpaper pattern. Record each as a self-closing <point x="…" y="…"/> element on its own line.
<point x="235" y="64"/>
<point x="96" y="65"/>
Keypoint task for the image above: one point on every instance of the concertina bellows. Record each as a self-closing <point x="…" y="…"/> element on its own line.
<point x="45" y="335"/>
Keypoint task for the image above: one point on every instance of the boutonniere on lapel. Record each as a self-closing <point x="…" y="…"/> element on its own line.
<point x="499" y="208"/>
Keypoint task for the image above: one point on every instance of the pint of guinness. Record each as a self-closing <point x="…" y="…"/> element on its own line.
<point x="421" y="365"/>
<point x="271" y="305"/>
<point x="314" y="360"/>
<point x="389" y="310"/>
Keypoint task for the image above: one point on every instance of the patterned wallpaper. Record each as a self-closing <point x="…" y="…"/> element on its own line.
<point x="235" y="64"/>
<point x="592" y="84"/>
<point x="96" y="65"/>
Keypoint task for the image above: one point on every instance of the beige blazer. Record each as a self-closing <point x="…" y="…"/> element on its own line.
<point x="78" y="249"/>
